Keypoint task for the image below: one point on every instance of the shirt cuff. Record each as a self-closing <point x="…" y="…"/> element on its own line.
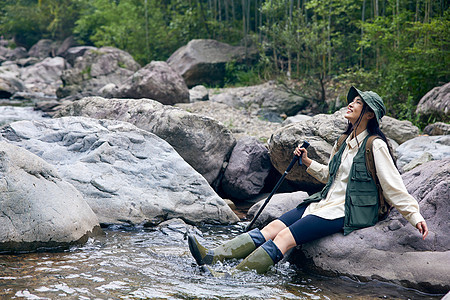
<point x="315" y="169"/>
<point x="415" y="218"/>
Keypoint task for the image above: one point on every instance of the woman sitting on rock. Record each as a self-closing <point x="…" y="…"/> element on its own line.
<point x="349" y="200"/>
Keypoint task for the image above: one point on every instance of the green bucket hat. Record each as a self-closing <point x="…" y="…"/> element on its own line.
<point x="370" y="98"/>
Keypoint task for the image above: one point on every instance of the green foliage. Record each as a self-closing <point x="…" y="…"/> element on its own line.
<point x="122" y="25"/>
<point x="239" y="74"/>
<point x="149" y="30"/>
<point x="28" y="21"/>
<point x="413" y="58"/>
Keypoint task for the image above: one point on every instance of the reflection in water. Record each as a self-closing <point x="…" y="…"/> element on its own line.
<point x="143" y="264"/>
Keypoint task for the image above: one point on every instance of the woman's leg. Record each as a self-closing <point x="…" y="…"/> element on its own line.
<point x="238" y="247"/>
<point x="285" y="240"/>
<point x="272" y="229"/>
<point x="275" y="227"/>
<point x="302" y="231"/>
<point x="307" y="229"/>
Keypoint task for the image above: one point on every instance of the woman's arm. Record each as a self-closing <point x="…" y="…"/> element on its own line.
<point x="394" y="189"/>
<point x="315" y="169"/>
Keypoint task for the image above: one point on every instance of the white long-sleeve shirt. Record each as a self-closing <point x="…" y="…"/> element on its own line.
<point x="394" y="190"/>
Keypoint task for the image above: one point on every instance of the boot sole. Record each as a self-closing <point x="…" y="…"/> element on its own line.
<point x="192" y="242"/>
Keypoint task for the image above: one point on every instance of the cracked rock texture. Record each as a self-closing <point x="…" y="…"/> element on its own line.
<point x="37" y="207"/>
<point x="126" y="174"/>
<point x="202" y="142"/>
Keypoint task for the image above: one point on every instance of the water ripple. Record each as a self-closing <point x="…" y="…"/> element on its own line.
<point x="144" y="264"/>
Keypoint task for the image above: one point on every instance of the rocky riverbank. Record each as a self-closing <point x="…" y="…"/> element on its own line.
<point x="131" y="145"/>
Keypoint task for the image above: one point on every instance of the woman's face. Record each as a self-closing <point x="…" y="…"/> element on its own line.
<point x="354" y="110"/>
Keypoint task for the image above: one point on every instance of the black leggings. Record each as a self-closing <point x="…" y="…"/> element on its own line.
<point x="310" y="227"/>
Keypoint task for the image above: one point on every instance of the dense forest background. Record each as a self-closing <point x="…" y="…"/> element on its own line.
<point x="399" y="48"/>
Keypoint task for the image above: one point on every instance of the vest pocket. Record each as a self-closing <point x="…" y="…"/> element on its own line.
<point x="362" y="180"/>
<point x="364" y="210"/>
<point x="360" y="173"/>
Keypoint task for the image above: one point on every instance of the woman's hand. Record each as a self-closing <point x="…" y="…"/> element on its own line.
<point x="299" y="151"/>
<point x="423" y="229"/>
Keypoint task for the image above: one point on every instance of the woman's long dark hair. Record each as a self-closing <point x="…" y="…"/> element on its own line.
<point x="373" y="128"/>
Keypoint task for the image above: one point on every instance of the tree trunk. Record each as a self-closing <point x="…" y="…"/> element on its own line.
<point x="377" y="59"/>
<point x="147" y="44"/>
<point x="202" y="12"/>
<point x="291" y="7"/>
<point x="375" y="8"/>
<point x="329" y="38"/>
<point x="226" y="12"/>
<point x="416" y="18"/>
<point x="244" y="25"/>
<point x="233" y="11"/>
<point x="398" y="21"/>
<point x="248" y="16"/>
<point x="256" y="16"/>
<point x="361" y="59"/>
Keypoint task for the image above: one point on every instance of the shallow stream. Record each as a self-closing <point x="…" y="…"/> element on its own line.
<point x="144" y="263"/>
<point x="156" y="264"/>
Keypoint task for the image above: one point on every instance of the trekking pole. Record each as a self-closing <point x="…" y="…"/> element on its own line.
<point x="294" y="160"/>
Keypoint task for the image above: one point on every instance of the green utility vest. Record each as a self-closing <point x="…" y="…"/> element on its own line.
<point x="361" y="197"/>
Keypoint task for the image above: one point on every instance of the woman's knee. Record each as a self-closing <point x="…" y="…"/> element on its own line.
<point x="285" y="234"/>
<point x="271" y="230"/>
<point x="285" y="240"/>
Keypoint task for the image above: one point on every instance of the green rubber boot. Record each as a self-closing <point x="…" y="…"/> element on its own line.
<point x="259" y="260"/>
<point x="238" y="247"/>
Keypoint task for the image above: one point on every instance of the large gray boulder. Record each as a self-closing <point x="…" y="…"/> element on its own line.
<point x="157" y="81"/>
<point x="203" y="142"/>
<point x="127" y="175"/>
<point x="10" y="86"/>
<point x="44" y="48"/>
<point x="436" y="103"/>
<point x="321" y="131"/>
<point x="247" y="169"/>
<point x="95" y="69"/>
<point x="10" y="81"/>
<point x="238" y="121"/>
<point x="438" y="128"/>
<point x="38" y="209"/>
<point x="8" y="54"/>
<point x="438" y="146"/>
<point x="198" y="93"/>
<point x="45" y="76"/>
<point x="278" y="205"/>
<point x="399" y="131"/>
<point x="393" y="250"/>
<point x="203" y="61"/>
<point x="263" y="99"/>
<point x="73" y="53"/>
<point x="68" y="43"/>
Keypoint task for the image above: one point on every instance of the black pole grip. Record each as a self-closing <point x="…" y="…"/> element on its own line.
<point x="304" y="145"/>
<point x="299" y="158"/>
